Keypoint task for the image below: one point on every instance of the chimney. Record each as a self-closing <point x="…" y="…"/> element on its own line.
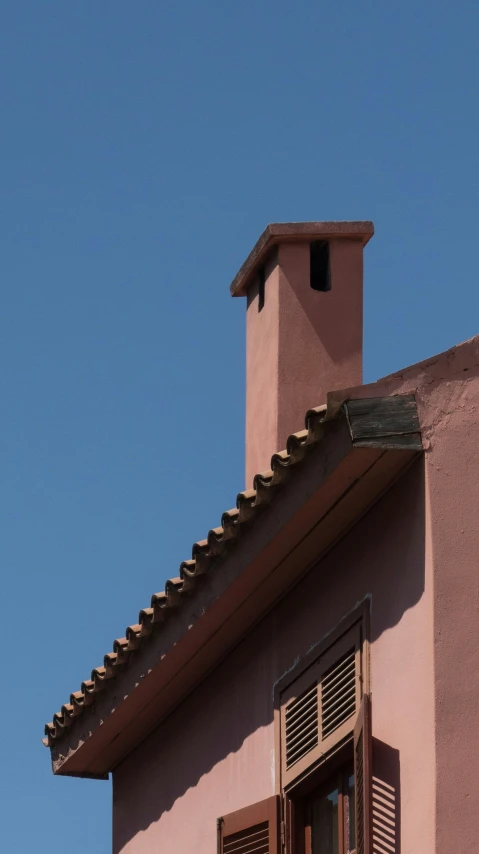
<point x="303" y="284"/>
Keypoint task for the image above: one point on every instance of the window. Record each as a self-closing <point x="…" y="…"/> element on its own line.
<point x="323" y="725"/>
<point x="324" y="740"/>
<point x="330" y="813"/>
<point x="329" y="816"/>
<point x="318" y="708"/>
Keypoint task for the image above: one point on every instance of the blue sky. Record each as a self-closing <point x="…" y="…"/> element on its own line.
<point x="144" y="147"/>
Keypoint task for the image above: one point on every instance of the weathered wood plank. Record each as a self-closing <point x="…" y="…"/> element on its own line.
<point x="402" y="442"/>
<point x="372" y="418"/>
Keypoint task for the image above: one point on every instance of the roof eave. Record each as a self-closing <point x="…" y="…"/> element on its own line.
<point x="362" y="452"/>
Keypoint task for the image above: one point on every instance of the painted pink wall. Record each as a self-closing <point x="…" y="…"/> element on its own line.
<point x="448" y="392"/>
<point x="415" y="555"/>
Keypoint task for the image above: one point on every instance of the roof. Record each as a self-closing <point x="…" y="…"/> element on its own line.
<point x="247" y="506"/>
<point x="295" y="232"/>
<point x="338" y="449"/>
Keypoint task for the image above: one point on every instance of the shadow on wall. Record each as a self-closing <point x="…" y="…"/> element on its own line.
<point x="386" y="799"/>
<point x="212" y="751"/>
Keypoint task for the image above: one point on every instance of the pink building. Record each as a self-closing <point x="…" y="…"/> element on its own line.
<point x="310" y="680"/>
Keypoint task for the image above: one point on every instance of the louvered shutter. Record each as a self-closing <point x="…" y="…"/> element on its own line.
<point x="363" y="777"/>
<point x="319" y="708"/>
<point x="252" y="830"/>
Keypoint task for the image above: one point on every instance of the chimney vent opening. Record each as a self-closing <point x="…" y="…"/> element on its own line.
<point x="319" y="276"/>
<point x="261" y="283"/>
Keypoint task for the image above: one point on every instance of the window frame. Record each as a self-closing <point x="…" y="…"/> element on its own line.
<point x="358" y="618"/>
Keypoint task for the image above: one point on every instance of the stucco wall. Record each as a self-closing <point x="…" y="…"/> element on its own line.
<point x="453" y="495"/>
<point x="216" y="754"/>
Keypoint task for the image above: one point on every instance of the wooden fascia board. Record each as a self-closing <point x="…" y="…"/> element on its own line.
<point x="344" y="476"/>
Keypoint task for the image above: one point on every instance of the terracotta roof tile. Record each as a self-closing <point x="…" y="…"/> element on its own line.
<point x="204" y="552"/>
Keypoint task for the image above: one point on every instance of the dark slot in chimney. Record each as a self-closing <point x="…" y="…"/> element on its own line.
<point x="319" y="272"/>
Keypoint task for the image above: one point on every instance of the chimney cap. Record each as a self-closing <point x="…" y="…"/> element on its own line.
<point x="294" y="232"/>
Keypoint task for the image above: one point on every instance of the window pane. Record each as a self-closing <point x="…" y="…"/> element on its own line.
<point x="351" y="816"/>
<point x="324" y="824"/>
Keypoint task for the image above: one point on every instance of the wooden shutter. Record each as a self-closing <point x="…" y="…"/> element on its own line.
<point x="363" y="777"/>
<point x="319" y="708"/>
<point x="252" y="830"/>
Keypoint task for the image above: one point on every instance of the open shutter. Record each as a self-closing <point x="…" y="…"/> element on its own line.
<point x="319" y="707"/>
<point x="363" y="777"/>
<point x="252" y="830"/>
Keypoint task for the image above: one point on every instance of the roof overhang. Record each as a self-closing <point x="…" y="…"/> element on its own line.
<point x="363" y="447"/>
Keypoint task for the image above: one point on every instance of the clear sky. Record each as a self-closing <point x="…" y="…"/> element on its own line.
<point x="144" y="147"/>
